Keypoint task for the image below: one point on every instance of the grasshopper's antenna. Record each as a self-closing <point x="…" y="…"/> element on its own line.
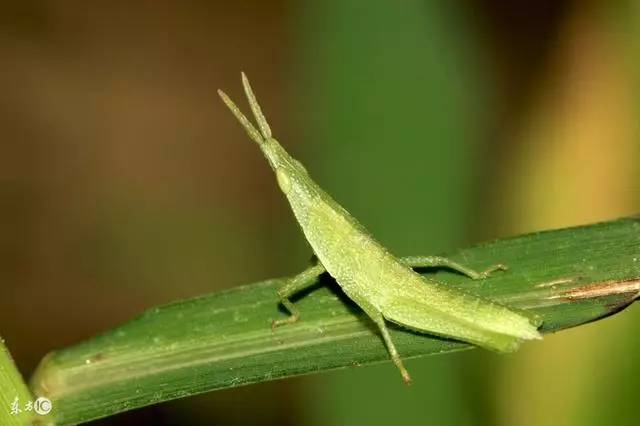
<point x="251" y="131"/>
<point x="255" y="107"/>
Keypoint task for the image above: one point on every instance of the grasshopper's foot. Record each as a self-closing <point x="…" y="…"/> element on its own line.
<point x="406" y="378"/>
<point x="292" y="319"/>
<point x="295" y="314"/>
<point x="490" y="270"/>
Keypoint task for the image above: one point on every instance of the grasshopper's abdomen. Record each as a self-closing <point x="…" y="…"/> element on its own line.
<point x="367" y="271"/>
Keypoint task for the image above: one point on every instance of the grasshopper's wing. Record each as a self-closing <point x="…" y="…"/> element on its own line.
<point x="430" y="307"/>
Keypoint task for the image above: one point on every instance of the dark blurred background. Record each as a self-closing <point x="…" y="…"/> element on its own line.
<point x="124" y="182"/>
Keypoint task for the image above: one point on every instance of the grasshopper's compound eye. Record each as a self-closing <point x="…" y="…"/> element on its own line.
<point x="284" y="182"/>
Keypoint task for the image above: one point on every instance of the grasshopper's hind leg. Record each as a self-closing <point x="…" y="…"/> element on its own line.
<point x="295" y="284"/>
<point x="438" y="261"/>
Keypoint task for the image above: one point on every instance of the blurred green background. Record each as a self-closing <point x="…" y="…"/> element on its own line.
<point x="124" y="182"/>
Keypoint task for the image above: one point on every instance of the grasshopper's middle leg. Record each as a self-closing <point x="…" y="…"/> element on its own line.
<point x="377" y="317"/>
<point x="438" y="261"/>
<point x="295" y="284"/>
<point x="395" y="357"/>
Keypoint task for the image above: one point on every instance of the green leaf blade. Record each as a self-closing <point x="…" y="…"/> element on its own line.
<point x="568" y="277"/>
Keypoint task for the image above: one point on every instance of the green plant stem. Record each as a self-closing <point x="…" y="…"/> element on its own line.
<point x="14" y="393"/>
<point x="568" y="277"/>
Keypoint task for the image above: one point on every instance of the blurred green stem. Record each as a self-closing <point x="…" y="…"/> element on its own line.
<point x="568" y="277"/>
<point x="14" y="393"/>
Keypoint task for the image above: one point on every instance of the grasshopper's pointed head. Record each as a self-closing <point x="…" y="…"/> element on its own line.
<point x="289" y="172"/>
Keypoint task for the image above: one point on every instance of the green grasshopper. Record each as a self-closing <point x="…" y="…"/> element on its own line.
<point x="383" y="286"/>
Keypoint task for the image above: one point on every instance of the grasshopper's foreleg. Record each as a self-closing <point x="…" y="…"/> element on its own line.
<point x="295" y="284"/>
<point x="438" y="261"/>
